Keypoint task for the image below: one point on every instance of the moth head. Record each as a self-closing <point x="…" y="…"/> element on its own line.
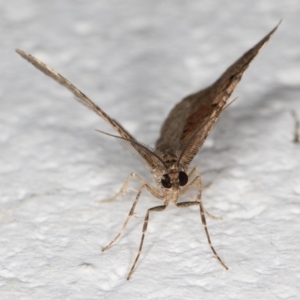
<point x="174" y="179"/>
<point x="172" y="174"/>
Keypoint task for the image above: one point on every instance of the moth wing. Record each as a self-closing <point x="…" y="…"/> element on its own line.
<point x="81" y="97"/>
<point x="191" y="120"/>
<point x="129" y="140"/>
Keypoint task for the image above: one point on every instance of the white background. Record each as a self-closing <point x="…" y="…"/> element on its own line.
<point x="137" y="59"/>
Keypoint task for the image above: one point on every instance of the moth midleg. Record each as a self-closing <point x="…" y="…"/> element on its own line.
<point x="122" y="191"/>
<point x="197" y="182"/>
<point x="131" y="212"/>
<point x="151" y="189"/>
<point x="156" y="208"/>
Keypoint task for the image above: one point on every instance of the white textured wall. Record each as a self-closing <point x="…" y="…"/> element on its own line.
<point x="136" y="59"/>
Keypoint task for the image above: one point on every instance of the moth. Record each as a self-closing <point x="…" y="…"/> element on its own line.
<point x="182" y="135"/>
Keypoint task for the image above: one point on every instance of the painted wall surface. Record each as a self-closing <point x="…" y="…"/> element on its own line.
<point x="136" y="60"/>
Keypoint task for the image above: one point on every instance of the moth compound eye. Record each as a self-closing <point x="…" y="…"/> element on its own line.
<point x="166" y="181"/>
<point x="183" y="178"/>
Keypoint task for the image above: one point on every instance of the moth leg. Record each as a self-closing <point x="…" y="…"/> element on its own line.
<point x="156" y="208"/>
<point x="202" y="213"/>
<point x="212" y="216"/>
<point x="151" y="189"/>
<point x="131" y="212"/>
<point x="206" y="186"/>
<point x="123" y="189"/>
<point x="195" y="171"/>
<point x="197" y="182"/>
<point x="208" y="213"/>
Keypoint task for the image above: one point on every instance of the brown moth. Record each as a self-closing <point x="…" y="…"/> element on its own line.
<point x="182" y="135"/>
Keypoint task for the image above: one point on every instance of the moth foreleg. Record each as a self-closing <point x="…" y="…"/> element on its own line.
<point x="197" y="183"/>
<point x="195" y="171"/>
<point x="156" y="208"/>
<point x="145" y="185"/>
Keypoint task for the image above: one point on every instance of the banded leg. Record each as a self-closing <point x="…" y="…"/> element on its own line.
<point x="209" y="214"/>
<point x="203" y="219"/>
<point x="156" y="208"/>
<point x="131" y="212"/>
<point x="197" y="183"/>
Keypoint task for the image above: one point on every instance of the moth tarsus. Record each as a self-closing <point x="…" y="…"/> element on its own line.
<point x="182" y="135"/>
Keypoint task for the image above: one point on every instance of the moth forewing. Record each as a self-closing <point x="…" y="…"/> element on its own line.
<point x="202" y="109"/>
<point x="79" y="95"/>
<point x="182" y="134"/>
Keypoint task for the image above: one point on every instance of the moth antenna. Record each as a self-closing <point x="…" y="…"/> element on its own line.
<point x="230" y="102"/>
<point x="150" y="152"/>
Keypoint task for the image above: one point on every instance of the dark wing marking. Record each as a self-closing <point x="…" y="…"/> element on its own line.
<point x="191" y="120"/>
